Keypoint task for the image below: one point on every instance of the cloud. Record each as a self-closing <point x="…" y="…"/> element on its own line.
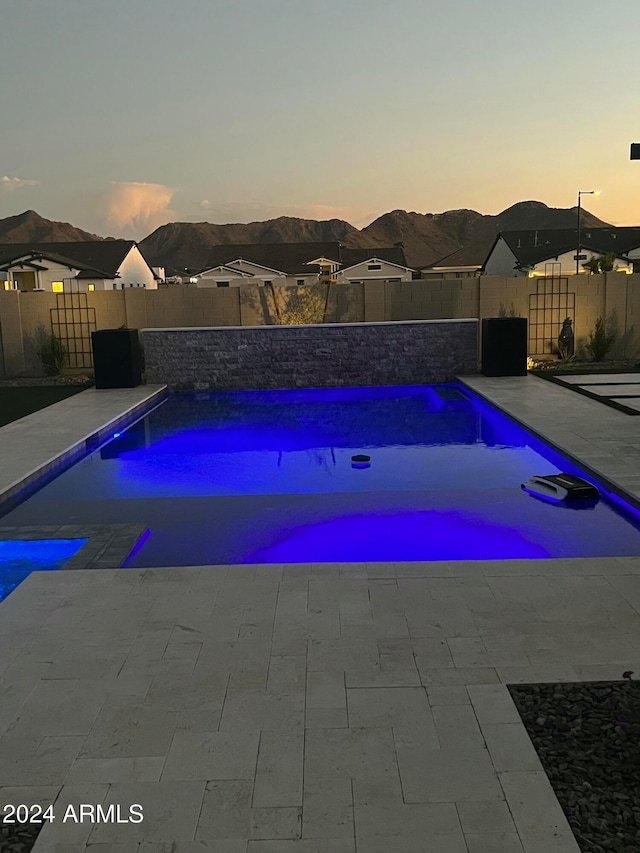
<point x="132" y="205"/>
<point x="11" y="184"/>
<point x="205" y="203"/>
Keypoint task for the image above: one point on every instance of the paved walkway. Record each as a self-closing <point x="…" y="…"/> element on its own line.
<point x="620" y="388"/>
<point x="355" y="708"/>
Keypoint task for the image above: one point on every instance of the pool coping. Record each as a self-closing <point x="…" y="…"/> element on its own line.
<point x="599" y="439"/>
<point x="58" y="435"/>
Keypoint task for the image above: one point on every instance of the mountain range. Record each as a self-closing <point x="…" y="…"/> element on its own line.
<point x="426" y="237"/>
<point x="30" y="227"/>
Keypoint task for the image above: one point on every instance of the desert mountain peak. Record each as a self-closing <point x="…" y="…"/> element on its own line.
<point x="426" y="237"/>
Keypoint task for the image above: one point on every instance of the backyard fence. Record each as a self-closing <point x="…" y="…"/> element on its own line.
<point x="542" y="301"/>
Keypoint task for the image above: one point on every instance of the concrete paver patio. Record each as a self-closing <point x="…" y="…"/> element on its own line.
<point x="324" y="708"/>
<point x="249" y="706"/>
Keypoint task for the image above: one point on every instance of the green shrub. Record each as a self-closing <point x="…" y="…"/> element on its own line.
<point x="601" y="340"/>
<point x="52" y="354"/>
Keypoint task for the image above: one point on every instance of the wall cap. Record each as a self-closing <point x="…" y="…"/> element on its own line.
<point x="313" y="325"/>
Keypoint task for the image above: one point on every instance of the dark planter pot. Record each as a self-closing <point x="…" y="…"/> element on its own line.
<point x="117" y="360"/>
<point x="504" y="346"/>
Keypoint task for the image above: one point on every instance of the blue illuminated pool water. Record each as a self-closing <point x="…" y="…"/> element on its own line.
<point x="19" y="557"/>
<point x="266" y="477"/>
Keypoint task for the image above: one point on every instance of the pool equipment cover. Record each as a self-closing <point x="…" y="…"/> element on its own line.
<point x="560" y="487"/>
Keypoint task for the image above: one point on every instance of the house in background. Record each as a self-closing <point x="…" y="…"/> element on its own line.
<point x="300" y="264"/>
<point x="465" y="262"/>
<point x="554" y="251"/>
<point x="360" y="265"/>
<point x="79" y="266"/>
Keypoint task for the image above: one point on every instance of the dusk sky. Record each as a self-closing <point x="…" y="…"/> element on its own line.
<point x="121" y="115"/>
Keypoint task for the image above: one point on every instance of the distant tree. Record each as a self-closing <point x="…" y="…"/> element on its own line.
<point x="592" y="265"/>
<point x="601" y="263"/>
<point x="607" y="262"/>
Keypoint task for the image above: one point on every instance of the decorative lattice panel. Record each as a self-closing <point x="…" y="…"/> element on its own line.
<point x="73" y="321"/>
<point x="549" y="306"/>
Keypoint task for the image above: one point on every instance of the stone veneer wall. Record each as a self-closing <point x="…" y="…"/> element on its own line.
<point x="410" y="352"/>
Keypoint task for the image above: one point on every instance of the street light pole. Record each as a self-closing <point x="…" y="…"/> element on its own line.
<point x="580" y="194"/>
<point x="578" y="242"/>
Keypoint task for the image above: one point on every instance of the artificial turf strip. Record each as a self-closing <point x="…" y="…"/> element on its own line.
<point x="587" y="736"/>
<point x="18" y="402"/>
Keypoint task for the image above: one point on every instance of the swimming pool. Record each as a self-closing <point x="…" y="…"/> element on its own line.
<point x="267" y="477"/>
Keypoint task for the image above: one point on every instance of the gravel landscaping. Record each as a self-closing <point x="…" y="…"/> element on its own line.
<point x="587" y="736"/>
<point x="548" y="367"/>
<point x="41" y="381"/>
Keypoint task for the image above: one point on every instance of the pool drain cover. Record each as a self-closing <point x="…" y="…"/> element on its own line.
<point x="360" y="461"/>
